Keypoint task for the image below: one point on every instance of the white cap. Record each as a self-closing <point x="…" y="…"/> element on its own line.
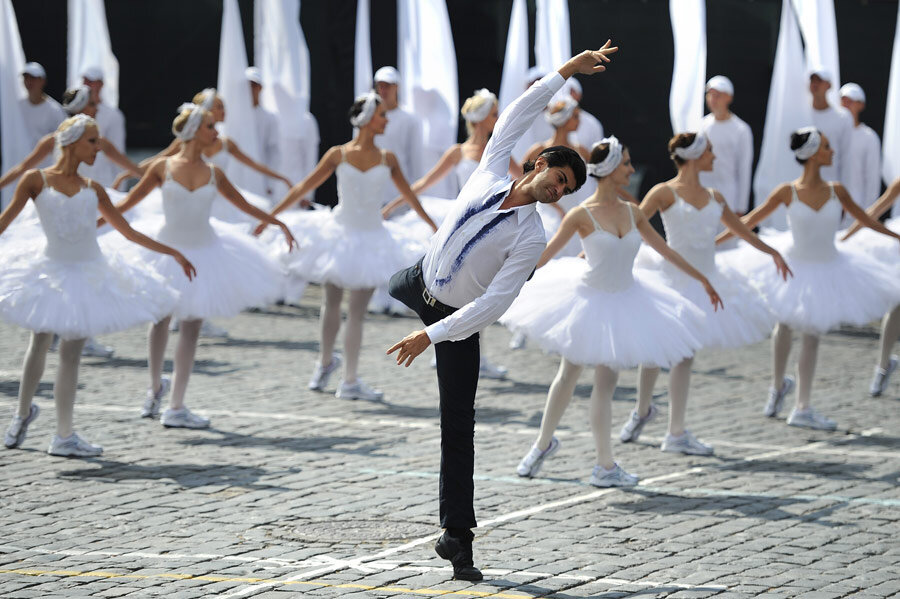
<point x="34" y="69"/>
<point x="253" y="74"/>
<point x="854" y="92"/>
<point x="93" y="74"/>
<point x="821" y="72"/>
<point x="387" y="75"/>
<point x="535" y="73"/>
<point x="721" y="83"/>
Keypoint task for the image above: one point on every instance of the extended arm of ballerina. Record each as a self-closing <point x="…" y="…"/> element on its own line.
<point x="859" y="214"/>
<point x="116" y="156"/>
<point x="880" y="206"/>
<point x="152" y="178"/>
<point x="655" y="240"/>
<point x="234" y="196"/>
<point x="449" y="159"/>
<point x="28" y="187"/>
<point x="118" y="222"/>
<point x="781" y="195"/>
<point x="737" y="226"/>
<point x="567" y="229"/>
<point x="236" y="152"/>
<point x="405" y="191"/>
<point x="40" y="151"/>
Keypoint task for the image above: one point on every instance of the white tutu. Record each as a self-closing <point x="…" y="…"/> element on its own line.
<point x="880" y="247"/>
<point x="80" y="299"/>
<point x="849" y="288"/>
<point x="352" y="258"/>
<point x="647" y="323"/>
<point x="436" y="208"/>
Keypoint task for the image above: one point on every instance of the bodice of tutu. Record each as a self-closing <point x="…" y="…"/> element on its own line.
<point x="187" y="211"/>
<point x="609" y="257"/>
<point x="464" y="169"/>
<point x="360" y="194"/>
<point x="69" y="223"/>
<point x="692" y="232"/>
<point x="813" y="230"/>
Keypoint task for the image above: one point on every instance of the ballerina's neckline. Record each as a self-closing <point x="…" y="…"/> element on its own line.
<point x="62" y="193"/>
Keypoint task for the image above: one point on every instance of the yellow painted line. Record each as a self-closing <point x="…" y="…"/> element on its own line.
<point x="271" y="581"/>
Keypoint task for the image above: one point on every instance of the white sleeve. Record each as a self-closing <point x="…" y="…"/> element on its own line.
<point x="745" y="170"/>
<point x="872" y="176"/>
<point x="491" y="305"/>
<point x="515" y="121"/>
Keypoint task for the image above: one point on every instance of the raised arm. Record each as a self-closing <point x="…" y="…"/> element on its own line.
<point x="28" y="187"/>
<point x="37" y="155"/>
<point x="778" y="197"/>
<point x="655" y="240"/>
<point x="570" y="225"/>
<point x="230" y="193"/>
<point x="152" y="178"/>
<point x="737" y="227"/>
<point x="312" y="181"/>
<point x="881" y="205"/>
<point x="518" y="116"/>
<point x="438" y="171"/>
<point x="859" y="214"/>
<point x="116" y="156"/>
<point x="405" y="191"/>
<point x="236" y="152"/>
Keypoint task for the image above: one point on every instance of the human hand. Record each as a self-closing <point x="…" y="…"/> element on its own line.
<point x="259" y="229"/>
<point x="782" y="266"/>
<point x="588" y="62"/>
<point x="410" y="346"/>
<point x="713" y="296"/>
<point x="292" y="243"/>
<point x="189" y="271"/>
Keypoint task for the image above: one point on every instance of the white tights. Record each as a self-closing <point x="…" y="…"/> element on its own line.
<point x="890" y="331"/>
<point x="806" y="363"/>
<point x="66" y="378"/>
<point x="559" y="396"/>
<point x="679" y="386"/>
<point x="330" y="322"/>
<point x="158" y="337"/>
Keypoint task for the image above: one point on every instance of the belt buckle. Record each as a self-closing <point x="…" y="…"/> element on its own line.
<point x="429" y="299"/>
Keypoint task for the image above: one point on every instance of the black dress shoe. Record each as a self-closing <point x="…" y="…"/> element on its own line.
<point x="460" y="555"/>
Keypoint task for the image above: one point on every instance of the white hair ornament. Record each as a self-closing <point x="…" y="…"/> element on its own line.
<point x="479" y="114"/>
<point x="193" y="121"/>
<point x="74" y="131"/>
<point x="695" y="150"/>
<point x="559" y="118"/>
<point x="209" y="97"/>
<point x="370" y="101"/>
<point x="611" y="162"/>
<point x="811" y="145"/>
<point x="79" y="101"/>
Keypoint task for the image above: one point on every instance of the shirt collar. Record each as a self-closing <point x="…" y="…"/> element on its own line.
<point x="521" y="212"/>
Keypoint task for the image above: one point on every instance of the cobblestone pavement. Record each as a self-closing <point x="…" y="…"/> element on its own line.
<point x="296" y="493"/>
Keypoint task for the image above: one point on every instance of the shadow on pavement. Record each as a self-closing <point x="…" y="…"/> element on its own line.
<point x="298" y="444"/>
<point x="185" y="475"/>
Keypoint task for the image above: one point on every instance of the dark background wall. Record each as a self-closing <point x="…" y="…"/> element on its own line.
<point x="168" y="50"/>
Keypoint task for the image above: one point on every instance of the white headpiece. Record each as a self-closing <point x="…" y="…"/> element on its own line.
<point x="612" y="160"/>
<point x="74" y="132"/>
<point x="370" y="101"/>
<point x="479" y="114"/>
<point x="811" y="145"/>
<point x="193" y="121"/>
<point x="209" y="96"/>
<point x="695" y="150"/>
<point x="854" y="92"/>
<point x="34" y="69"/>
<point x="79" y="101"/>
<point x="559" y="118"/>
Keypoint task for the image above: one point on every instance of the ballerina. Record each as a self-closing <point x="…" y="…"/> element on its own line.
<point x="69" y="286"/>
<point x="691" y="215"/>
<point x="830" y="286"/>
<point x="237" y="274"/>
<point x="351" y="247"/>
<point x="599" y="312"/>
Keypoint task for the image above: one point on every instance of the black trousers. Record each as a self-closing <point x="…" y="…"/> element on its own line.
<point x="457" y="372"/>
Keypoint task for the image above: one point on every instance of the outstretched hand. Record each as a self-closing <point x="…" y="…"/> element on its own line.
<point x="589" y="61"/>
<point x="713" y="296"/>
<point x="782" y="267"/>
<point x="189" y="271"/>
<point x="410" y="346"/>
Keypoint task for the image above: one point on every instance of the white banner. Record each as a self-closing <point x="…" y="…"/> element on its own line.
<point x="89" y="46"/>
<point x="362" y="53"/>
<point x="689" y="71"/>
<point x="14" y="137"/>
<point x="890" y="159"/>
<point x="552" y="36"/>
<point x="515" y="61"/>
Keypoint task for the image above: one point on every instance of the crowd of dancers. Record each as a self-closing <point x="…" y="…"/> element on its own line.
<point x="184" y="244"/>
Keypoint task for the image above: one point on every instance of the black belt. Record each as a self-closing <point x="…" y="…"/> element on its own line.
<point x="430" y="299"/>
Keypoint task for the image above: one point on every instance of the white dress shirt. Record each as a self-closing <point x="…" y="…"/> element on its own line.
<point x="268" y="135"/>
<point x="403" y="137"/>
<point x="299" y="151"/>
<point x="111" y="123"/>
<point x="482" y="255"/>
<point x="862" y="175"/>
<point x="837" y="125"/>
<point x="41" y="119"/>
<point x="732" y="143"/>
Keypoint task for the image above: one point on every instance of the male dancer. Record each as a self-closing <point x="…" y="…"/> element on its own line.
<point x="478" y="261"/>
<point x="862" y="177"/>
<point x="732" y="141"/>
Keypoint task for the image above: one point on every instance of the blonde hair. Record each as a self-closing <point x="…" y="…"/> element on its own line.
<point x="472" y="104"/>
<point x="77" y="124"/>
<point x="181" y="120"/>
<point x="200" y="96"/>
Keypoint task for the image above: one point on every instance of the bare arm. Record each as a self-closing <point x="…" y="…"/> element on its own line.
<point x="116" y="156"/>
<point x="571" y="223"/>
<point x="153" y="177"/>
<point x="737" y="227"/>
<point x="654" y="240"/>
<point x="438" y="171"/>
<point x="313" y="180"/>
<point x="406" y="192"/>
<point x="236" y="152"/>
<point x="859" y="214"/>
<point x="40" y="151"/>
<point x="658" y="199"/>
<point x="880" y="206"/>
<point x="234" y="196"/>
<point x="28" y="187"/>
<point x="761" y="212"/>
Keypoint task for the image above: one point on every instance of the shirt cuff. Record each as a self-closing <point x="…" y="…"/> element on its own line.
<point x="437" y="332"/>
<point x="554" y="81"/>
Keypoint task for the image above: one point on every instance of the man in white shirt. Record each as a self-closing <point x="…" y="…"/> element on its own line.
<point x="403" y="133"/>
<point x="110" y="122"/>
<point x="480" y="257"/>
<point x="589" y="130"/>
<point x="266" y="128"/>
<point x="862" y="175"/>
<point x="835" y="123"/>
<point x="732" y="142"/>
<point x="41" y="113"/>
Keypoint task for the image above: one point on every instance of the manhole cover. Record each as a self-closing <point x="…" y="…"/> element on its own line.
<point x="336" y="530"/>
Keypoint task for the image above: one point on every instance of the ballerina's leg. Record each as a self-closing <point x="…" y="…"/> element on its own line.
<point x="647" y="376"/>
<point x="66" y="384"/>
<point x="781" y="350"/>
<point x="329" y="321"/>
<point x="356" y="314"/>
<point x="558" y="398"/>
<point x="32" y="370"/>
<point x="890" y="331"/>
<point x="605" y="380"/>
<point x="188" y="334"/>
<point x="806" y="369"/>
<point x="157" y="338"/>
<point x="679" y="386"/>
